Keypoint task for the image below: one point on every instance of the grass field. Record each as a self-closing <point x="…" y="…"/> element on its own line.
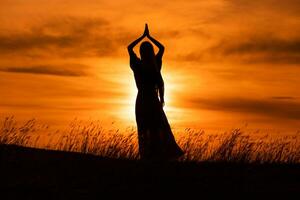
<point x="234" y="146"/>
<point x="88" y="162"/>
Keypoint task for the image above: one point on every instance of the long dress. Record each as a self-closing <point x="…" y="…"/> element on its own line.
<point x="155" y="137"/>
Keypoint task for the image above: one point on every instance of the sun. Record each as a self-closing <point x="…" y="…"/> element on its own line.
<point x="130" y="94"/>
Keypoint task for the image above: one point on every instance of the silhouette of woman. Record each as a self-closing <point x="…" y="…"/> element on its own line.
<point x="155" y="137"/>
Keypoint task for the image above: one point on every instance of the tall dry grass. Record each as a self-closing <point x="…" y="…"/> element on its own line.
<point x="235" y="146"/>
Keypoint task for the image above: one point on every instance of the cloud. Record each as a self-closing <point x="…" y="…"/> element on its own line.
<point x="283" y="98"/>
<point x="270" y="108"/>
<point x="252" y="50"/>
<point x="260" y="44"/>
<point x="68" y="37"/>
<point x="47" y="70"/>
<point x="264" y="49"/>
<point x="197" y="56"/>
<point x="71" y="37"/>
<point x="290" y="6"/>
<point x="255" y="44"/>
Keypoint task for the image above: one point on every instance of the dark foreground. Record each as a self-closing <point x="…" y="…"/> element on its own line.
<point x="39" y="174"/>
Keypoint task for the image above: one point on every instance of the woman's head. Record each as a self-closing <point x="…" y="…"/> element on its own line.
<point x="148" y="58"/>
<point x="147" y="51"/>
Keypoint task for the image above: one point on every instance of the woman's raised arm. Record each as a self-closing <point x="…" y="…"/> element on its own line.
<point x="161" y="48"/>
<point x="134" y="43"/>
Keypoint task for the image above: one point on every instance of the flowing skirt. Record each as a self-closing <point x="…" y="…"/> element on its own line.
<point x="156" y="140"/>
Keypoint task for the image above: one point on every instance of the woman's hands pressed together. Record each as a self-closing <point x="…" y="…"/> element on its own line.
<point x="146" y="31"/>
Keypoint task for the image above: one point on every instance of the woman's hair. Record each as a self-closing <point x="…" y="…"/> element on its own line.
<point x="148" y="56"/>
<point x="147" y="51"/>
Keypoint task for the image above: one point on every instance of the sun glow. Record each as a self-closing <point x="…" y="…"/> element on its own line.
<point x="127" y="112"/>
<point x="127" y="84"/>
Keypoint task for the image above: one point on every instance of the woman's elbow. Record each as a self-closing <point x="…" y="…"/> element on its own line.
<point x="130" y="49"/>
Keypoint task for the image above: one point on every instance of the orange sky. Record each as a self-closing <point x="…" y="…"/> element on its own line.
<point x="227" y="62"/>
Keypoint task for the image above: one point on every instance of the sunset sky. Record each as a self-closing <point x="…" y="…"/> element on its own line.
<point x="227" y="63"/>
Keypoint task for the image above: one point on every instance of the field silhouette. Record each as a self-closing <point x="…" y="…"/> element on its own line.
<point x="91" y="138"/>
<point x="89" y="162"/>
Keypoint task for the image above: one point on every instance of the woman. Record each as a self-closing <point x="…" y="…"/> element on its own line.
<point x="155" y="137"/>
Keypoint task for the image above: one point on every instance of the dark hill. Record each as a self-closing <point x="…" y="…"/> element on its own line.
<point x="28" y="173"/>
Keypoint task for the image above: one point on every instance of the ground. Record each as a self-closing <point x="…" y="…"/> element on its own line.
<point x="28" y="173"/>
